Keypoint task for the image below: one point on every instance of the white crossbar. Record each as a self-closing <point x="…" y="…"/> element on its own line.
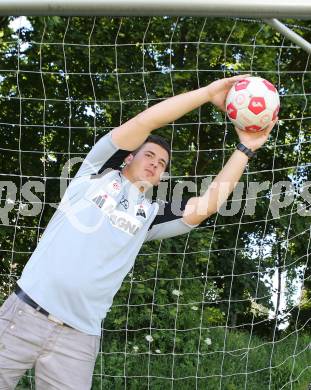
<point x="299" y="9"/>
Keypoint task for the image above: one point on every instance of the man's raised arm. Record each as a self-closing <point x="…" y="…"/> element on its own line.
<point x="131" y="134"/>
<point x="200" y="208"/>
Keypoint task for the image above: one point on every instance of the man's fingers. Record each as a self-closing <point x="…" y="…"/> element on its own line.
<point x="266" y="132"/>
<point x="271" y="125"/>
<point x="234" y="79"/>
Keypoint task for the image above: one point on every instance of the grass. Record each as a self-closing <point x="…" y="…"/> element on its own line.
<point x="252" y="364"/>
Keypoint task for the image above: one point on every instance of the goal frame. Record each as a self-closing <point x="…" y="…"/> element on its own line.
<point x="298" y="9"/>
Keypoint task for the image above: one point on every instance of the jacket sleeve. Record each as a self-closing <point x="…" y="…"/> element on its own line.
<point x="104" y="154"/>
<point x="169" y="222"/>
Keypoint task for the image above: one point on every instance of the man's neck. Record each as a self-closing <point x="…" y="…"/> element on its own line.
<point x="142" y="186"/>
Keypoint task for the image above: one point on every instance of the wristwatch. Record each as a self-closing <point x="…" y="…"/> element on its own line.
<point x="249" y="153"/>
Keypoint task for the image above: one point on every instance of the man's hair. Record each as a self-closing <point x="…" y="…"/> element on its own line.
<point x="156" y="139"/>
<point x="117" y="159"/>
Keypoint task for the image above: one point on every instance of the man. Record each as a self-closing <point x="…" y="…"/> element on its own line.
<point x="53" y="320"/>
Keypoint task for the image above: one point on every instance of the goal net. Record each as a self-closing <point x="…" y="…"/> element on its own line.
<point x="226" y="306"/>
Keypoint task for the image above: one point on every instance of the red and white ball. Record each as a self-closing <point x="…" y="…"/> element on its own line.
<point x="252" y="103"/>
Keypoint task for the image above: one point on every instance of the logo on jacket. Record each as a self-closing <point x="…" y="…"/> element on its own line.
<point x="124" y="202"/>
<point x="105" y="202"/>
<point x="114" y="187"/>
<point x="124" y="222"/>
<point x="140" y="211"/>
<point x="100" y="200"/>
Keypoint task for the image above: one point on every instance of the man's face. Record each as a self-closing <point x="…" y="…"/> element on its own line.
<point x="147" y="165"/>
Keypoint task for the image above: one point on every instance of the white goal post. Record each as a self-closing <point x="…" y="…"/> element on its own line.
<point x="298" y="9"/>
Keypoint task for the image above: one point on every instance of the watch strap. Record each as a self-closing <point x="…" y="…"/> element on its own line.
<point x="249" y="153"/>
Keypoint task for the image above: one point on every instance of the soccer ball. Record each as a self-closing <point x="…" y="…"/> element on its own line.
<point x="252" y="103"/>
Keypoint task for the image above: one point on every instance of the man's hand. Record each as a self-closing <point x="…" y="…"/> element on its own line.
<point x="254" y="141"/>
<point x="218" y="90"/>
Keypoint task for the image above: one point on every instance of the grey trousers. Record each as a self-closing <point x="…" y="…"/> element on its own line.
<point x="63" y="357"/>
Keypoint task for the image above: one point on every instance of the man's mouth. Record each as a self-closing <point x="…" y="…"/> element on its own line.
<point x="149" y="171"/>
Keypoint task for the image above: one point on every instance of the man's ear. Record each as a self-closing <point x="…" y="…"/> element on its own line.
<point x="129" y="159"/>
